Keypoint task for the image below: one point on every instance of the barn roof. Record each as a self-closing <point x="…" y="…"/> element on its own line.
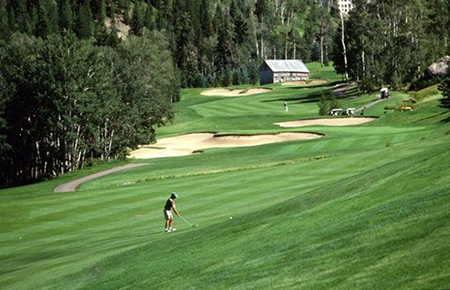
<point x="287" y="66"/>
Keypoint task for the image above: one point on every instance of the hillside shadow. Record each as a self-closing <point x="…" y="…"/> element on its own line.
<point x="310" y="98"/>
<point x="446" y="120"/>
<point x="325" y="85"/>
<point x="351" y="93"/>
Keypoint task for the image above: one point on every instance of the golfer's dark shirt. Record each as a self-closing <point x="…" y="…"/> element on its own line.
<point x="169" y="204"/>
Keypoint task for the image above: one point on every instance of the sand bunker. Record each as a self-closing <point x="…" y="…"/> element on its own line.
<point x="187" y="144"/>
<point x="326" y="122"/>
<point x="233" y="93"/>
<point x="304" y="83"/>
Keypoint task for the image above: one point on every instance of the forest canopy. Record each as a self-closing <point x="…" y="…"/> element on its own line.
<point x="67" y="101"/>
<point x="213" y="42"/>
<point x="392" y="42"/>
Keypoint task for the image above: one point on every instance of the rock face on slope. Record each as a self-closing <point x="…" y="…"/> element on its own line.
<point x="438" y="69"/>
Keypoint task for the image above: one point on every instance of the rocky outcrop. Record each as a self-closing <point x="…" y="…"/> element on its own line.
<point x="438" y="69"/>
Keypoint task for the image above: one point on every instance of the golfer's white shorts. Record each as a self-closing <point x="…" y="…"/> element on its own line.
<point x="167" y="214"/>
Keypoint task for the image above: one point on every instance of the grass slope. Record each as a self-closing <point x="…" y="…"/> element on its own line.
<point x="375" y="230"/>
<point x="364" y="207"/>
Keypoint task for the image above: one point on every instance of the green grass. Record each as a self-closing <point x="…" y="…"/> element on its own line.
<point x="364" y="207"/>
<point x="427" y="93"/>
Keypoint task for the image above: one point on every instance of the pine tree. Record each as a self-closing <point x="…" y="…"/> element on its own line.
<point x="113" y="38"/>
<point x="102" y="12"/>
<point x="205" y="18"/>
<point x="253" y="75"/>
<point x="236" y="79"/>
<point x="261" y="9"/>
<point x="53" y="17"/>
<point x="124" y="5"/>
<point x="334" y="103"/>
<point x="85" y="22"/>
<point x="137" y="21"/>
<point x="4" y="147"/>
<point x="227" y="77"/>
<point x="224" y="48"/>
<point x="323" y="104"/>
<point x="4" y="25"/>
<point x="66" y="16"/>
<point x="47" y="22"/>
<point x="34" y="18"/>
<point x="112" y="13"/>
<point x="23" y="17"/>
<point x="240" y="24"/>
<point x="12" y="20"/>
<point x="165" y="14"/>
<point x="149" y="21"/>
<point x="444" y="87"/>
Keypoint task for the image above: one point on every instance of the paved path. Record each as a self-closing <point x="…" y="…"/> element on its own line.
<point x="340" y="91"/>
<point x="370" y="104"/>
<point x="72" y="185"/>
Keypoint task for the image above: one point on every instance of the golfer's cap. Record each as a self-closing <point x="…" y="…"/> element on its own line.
<point x="174" y="194"/>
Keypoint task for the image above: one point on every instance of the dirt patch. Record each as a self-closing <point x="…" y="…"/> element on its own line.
<point x="122" y="29"/>
<point x="305" y="83"/>
<point x="326" y="122"/>
<point x="233" y="93"/>
<point x="192" y="143"/>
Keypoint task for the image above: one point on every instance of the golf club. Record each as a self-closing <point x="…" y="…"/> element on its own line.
<point x="186" y="221"/>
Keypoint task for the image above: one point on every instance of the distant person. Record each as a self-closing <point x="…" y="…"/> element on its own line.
<point x="170" y="205"/>
<point x="286" y="106"/>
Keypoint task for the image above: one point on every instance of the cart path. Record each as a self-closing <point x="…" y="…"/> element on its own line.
<point x="72" y="185"/>
<point x="370" y="104"/>
<point x="340" y="91"/>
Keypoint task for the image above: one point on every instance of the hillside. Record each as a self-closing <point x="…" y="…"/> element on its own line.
<point x="365" y="206"/>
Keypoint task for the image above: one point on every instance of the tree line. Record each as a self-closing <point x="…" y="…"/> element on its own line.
<point x="213" y="42"/>
<point x="65" y="102"/>
<point x="390" y="42"/>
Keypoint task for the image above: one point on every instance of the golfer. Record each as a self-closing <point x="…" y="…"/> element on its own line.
<point x="170" y="205"/>
<point x="286" y="106"/>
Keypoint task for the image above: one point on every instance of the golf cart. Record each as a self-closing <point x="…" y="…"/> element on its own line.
<point x="335" y="112"/>
<point x="384" y="94"/>
<point x="349" y="112"/>
<point x="405" y="105"/>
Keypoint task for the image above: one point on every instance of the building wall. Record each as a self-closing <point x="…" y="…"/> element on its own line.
<point x="265" y="77"/>
<point x="289" y="77"/>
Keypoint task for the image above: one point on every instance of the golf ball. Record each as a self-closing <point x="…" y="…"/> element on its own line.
<point x="231" y="218"/>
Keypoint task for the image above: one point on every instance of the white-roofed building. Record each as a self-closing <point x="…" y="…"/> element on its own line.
<point x="345" y="6"/>
<point x="280" y="71"/>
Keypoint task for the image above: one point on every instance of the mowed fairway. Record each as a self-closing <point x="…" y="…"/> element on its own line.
<point x="365" y="206"/>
